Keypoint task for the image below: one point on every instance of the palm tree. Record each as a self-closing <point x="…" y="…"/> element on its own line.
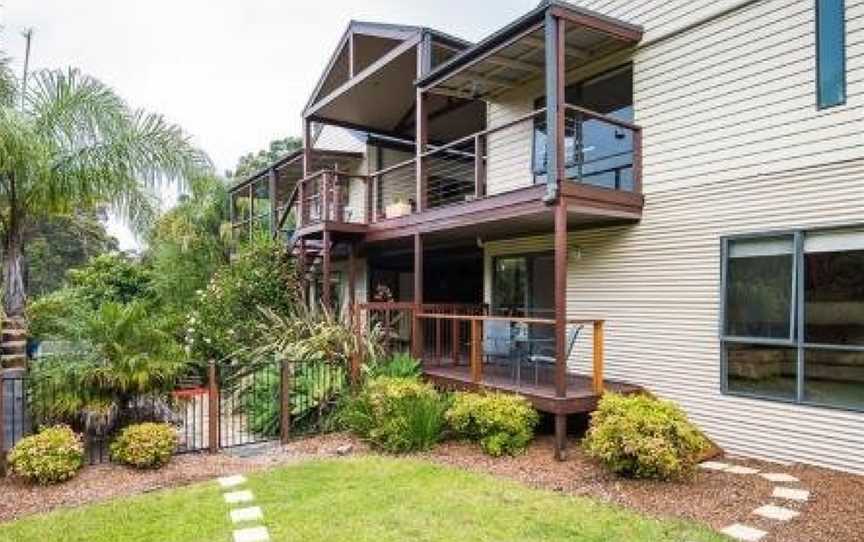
<point x="73" y="143"/>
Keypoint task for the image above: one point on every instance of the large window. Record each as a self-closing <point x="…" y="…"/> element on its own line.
<point x="793" y="317"/>
<point x="830" y="53"/>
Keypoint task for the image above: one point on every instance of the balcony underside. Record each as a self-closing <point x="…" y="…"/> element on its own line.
<point x="519" y="212"/>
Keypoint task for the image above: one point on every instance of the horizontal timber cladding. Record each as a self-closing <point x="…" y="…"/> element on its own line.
<point x="726" y="99"/>
<point x="656" y="284"/>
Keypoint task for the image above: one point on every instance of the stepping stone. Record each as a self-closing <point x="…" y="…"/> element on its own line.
<point x="253" y="513"/>
<point x="779" y="477"/>
<point x="231" y="481"/>
<point x="253" y="534"/>
<point x="737" y="469"/>
<point x="714" y="465"/>
<point x="777" y="513"/>
<point x="743" y="532"/>
<point x="791" y="494"/>
<point x="238" y="496"/>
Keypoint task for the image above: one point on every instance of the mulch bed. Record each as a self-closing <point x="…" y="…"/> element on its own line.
<point x="109" y="481"/>
<point x="834" y="511"/>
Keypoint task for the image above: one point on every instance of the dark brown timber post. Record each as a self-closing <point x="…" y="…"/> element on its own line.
<point x="271" y="190"/>
<point x="422" y="136"/>
<point x="325" y="288"/>
<point x="417" y="350"/>
<point x="307" y="147"/>
<point x="555" y="38"/>
<point x="479" y="167"/>
<point x="285" y="401"/>
<point x="2" y="425"/>
<point x="213" y="407"/>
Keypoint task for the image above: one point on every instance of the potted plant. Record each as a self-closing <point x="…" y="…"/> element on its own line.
<point x="399" y="207"/>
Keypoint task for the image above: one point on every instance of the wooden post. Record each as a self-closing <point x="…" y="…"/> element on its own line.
<point x="271" y="190"/>
<point x="598" y="358"/>
<point x="422" y="137"/>
<point x="286" y="375"/>
<point x="324" y="197"/>
<point x="456" y="353"/>
<point x="213" y="406"/>
<point x="476" y="352"/>
<point x="561" y="437"/>
<point x="338" y="212"/>
<point x="417" y="350"/>
<point x="307" y="147"/>
<point x="560" y="211"/>
<point x="637" y="161"/>
<point x="301" y="203"/>
<point x="438" y="340"/>
<point x="325" y="288"/>
<point x="2" y="424"/>
<point x="479" y="167"/>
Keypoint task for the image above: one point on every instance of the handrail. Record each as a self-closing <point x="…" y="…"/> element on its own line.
<point x="486" y="132"/>
<point x="515" y="319"/>
<point x="394" y="167"/>
<point x="604" y="118"/>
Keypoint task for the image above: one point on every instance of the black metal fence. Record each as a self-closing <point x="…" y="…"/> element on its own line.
<point x="233" y="406"/>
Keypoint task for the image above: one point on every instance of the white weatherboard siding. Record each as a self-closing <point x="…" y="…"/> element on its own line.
<point x="733" y="143"/>
<point x="656" y="284"/>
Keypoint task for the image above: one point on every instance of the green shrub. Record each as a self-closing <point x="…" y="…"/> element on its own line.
<point x="145" y="445"/>
<point x="54" y="455"/>
<point x="397" y="414"/>
<point x="501" y="423"/>
<point x="642" y="437"/>
<point x="399" y="365"/>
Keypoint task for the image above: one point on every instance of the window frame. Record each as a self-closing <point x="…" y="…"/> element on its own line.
<point x="797" y="339"/>
<point x="844" y="83"/>
<point x="529" y="256"/>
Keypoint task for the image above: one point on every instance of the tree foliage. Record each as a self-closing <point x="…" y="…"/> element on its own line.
<point x="251" y="162"/>
<point x="56" y="244"/>
<point x="75" y="144"/>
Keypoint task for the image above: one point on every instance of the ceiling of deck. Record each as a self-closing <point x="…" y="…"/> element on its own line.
<point x="383" y="102"/>
<point x="523" y="61"/>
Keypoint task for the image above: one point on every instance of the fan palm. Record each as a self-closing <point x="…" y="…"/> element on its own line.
<point x="72" y="144"/>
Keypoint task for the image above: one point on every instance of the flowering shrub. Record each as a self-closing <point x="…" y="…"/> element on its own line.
<point x="226" y="315"/>
<point x="502" y="423"/>
<point x="641" y="437"/>
<point x="397" y="414"/>
<point x="145" y="445"/>
<point x="50" y="457"/>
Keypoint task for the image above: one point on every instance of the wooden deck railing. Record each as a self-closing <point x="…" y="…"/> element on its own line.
<point x="476" y="347"/>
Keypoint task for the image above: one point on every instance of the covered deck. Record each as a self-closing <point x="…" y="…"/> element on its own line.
<point x="463" y="347"/>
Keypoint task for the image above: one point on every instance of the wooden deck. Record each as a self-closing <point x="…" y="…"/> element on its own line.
<point x="580" y="397"/>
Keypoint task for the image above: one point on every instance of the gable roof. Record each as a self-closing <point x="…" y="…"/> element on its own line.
<point x="395" y="33"/>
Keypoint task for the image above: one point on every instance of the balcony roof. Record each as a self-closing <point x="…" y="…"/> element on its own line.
<point x="515" y="54"/>
<point x="375" y="60"/>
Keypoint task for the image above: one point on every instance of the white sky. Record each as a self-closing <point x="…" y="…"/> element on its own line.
<point x="235" y="74"/>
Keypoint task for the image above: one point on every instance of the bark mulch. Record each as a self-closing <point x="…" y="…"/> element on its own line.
<point x="109" y="481"/>
<point x="834" y="512"/>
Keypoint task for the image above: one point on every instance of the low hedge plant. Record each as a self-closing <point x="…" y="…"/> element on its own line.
<point x="501" y="423"/>
<point x="145" y="445"/>
<point x="52" y="456"/>
<point x="397" y="415"/>
<point x="638" y="436"/>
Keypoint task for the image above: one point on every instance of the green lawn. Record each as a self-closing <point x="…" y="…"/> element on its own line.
<point x="372" y="499"/>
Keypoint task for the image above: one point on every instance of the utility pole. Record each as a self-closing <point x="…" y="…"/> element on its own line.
<point x="28" y="38"/>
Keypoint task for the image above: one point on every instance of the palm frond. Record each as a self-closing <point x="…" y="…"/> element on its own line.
<point x="8" y="82"/>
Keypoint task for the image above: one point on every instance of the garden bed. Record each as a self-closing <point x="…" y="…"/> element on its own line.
<point x="833" y="513"/>
<point x="713" y="498"/>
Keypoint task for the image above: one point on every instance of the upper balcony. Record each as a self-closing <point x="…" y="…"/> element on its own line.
<point x="480" y="140"/>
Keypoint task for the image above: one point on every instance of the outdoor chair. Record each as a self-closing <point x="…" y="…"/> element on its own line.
<point x="539" y="359"/>
<point x="498" y="346"/>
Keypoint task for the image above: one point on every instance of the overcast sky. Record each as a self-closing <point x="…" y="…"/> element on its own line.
<point x="234" y="73"/>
